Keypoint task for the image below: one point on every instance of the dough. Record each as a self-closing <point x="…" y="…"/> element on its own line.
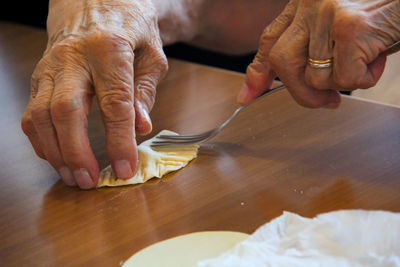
<point x="186" y="250"/>
<point x="153" y="162"/>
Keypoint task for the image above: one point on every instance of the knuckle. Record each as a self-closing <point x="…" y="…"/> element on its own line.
<point x="274" y="29"/>
<point x="41" y="71"/>
<point x="117" y="107"/>
<point x="64" y="106"/>
<point x="40" y="113"/>
<point x="269" y="33"/>
<point x="153" y="61"/>
<point x="34" y="85"/>
<point x="328" y="8"/>
<point x="27" y="126"/>
<point x="108" y="41"/>
<point x="344" y="80"/>
<point x="278" y="60"/>
<point x="146" y="94"/>
<point x="66" y="51"/>
<point x="161" y="62"/>
<point x="261" y="60"/>
<point x="72" y="155"/>
<point x="40" y="154"/>
<point x="346" y="24"/>
<point x="367" y="84"/>
<point x="274" y="58"/>
<point x="318" y="82"/>
<point x="40" y="67"/>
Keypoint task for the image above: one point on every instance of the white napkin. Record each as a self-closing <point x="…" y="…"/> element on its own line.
<point x="340" y="238"/>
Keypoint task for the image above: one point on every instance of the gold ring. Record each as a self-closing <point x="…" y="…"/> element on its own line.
<point x="320" y="63"/>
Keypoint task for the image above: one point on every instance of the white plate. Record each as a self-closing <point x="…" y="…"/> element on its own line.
<point x="186" y="250"/>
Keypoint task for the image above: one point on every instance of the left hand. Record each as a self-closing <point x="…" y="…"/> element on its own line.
<point x="351" y="32"/>
<point x="111" y="49"/>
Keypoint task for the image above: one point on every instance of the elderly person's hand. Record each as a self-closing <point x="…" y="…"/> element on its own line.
<point x="111" y="49"/>
<point x="318" y="47"/>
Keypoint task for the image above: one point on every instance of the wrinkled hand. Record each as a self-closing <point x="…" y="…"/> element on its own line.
<point x="352" y="32"/>
<point x="110" y="49"/>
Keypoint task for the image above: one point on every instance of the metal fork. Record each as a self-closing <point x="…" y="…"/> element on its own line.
<point x="178" y="140"/>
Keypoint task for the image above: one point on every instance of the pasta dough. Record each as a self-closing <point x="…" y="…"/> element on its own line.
<point x="153" y="162"/>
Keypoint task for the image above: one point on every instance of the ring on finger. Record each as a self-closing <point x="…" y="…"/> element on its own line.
<point x="320" y="63"/>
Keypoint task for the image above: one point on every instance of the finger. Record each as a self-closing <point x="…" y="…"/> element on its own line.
<point x="30" y="131"/>
<point x="351" y="68"/>
<point x="26" y="122"/>
<point x="112" y="66"/>
<point x="377" y="67"/>
<point x="259" y="75"/>
<point x="355" y="55"/>
<point x="69" y="109"/>
<point x="150" y="67"/>
<point x="321" y="48"/>
<point x="288" y="59"/>
<point x="43" y="124"/>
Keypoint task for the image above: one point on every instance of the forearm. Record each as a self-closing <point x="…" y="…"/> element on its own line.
<point x="229" y="26"/>
<point x="235" y="26"/>
<point x="178" y="20"/>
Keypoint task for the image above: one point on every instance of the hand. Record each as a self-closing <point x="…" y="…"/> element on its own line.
<point x="111" y="49"/>
<point x="351" y="32"/>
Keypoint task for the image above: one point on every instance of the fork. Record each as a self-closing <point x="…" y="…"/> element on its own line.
<point x="179" y="140"/>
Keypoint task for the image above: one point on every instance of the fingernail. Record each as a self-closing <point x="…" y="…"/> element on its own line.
<point x="145" y="126"/>
<point x="145" y="114"/>
<point x="243" y="94"/>
<point x="143" y="111"/>
<point x="332" y="105"/>
<point x="66" y="176"/>
<point x="83" y="179"/>
<point x="123" y="169"/>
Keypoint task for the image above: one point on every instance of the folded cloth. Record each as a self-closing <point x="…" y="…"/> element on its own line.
<point x="339" y="238"/>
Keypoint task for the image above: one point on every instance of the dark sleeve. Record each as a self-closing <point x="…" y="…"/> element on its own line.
<point x="201" y="56"/>
<point x="32" y="13"/>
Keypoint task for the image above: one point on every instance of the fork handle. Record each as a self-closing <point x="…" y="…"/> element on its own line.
<point x="268" y="92"/>
<point x="393" y="48"/>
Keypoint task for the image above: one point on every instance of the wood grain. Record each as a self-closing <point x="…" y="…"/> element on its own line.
<point x="275" y="156"/>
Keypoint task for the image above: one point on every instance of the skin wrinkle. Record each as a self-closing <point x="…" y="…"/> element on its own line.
<point x="90" y="42"/>
<point x="360" y="30"/>
<point x="87" y="46"/>
<point x="378" y="5"/>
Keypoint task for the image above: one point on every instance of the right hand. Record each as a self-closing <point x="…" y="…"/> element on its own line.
<point x="111" y="49"/>
<point x="354" y="34"/>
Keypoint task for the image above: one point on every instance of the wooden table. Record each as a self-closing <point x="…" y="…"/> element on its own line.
<point x="275" y="156"/>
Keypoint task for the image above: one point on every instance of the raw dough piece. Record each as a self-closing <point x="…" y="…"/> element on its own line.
<point x="153" y="162"/>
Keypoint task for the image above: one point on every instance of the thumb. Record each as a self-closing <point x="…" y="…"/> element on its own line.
<point x="150" y="67"/>
<point x="259" y="75"/>
<point x="259" y="78"/>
